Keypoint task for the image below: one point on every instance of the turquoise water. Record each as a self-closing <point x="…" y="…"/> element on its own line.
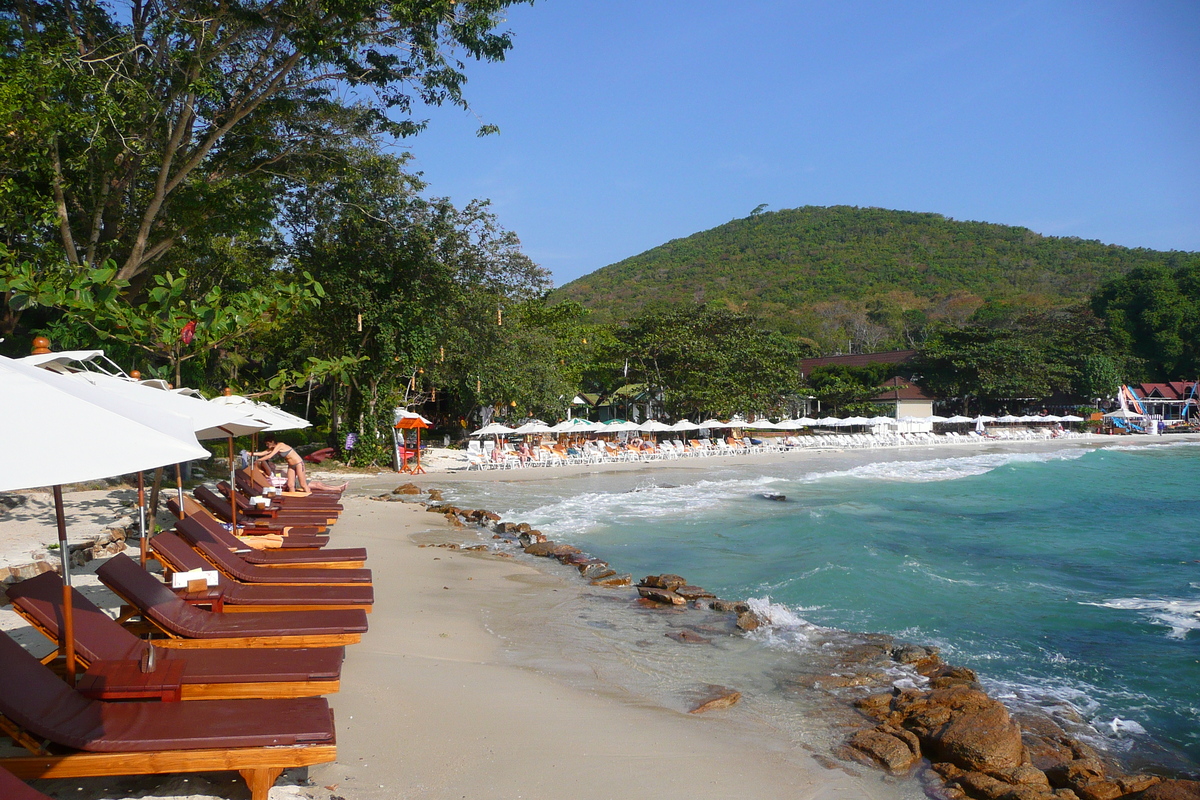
<point x="1067" y="577"/>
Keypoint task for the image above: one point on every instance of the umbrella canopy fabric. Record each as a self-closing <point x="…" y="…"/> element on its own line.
<point x="806" y="422"/>
<point x="714" y="423"/>
<point x="984" y="418"/>
<point x="1124" y="413"/>
<point x="577" y="425"/>
<point x="685" y="425"/>
<point x="66" y="431"/>
<point x="959" y="419"/>
<point x="1071" y="418"/>
<point x="828" y="421"/>
<point x="1009" y="418"/>
<point x="936" y="418"/>
<point x="761" y="425"/>
<point x="615" y="425"/>
<point x="407" y="420"/>
<point x="493" y="429"/>
<point x="881" y="420"/>
<point x="534" y="426"/>
<point x="208" y="421"/>
<point x="275" y="418"/>
<point x="654" y="426"/>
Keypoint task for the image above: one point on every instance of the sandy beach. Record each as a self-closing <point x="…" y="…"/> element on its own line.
<point x="441" y="699"/>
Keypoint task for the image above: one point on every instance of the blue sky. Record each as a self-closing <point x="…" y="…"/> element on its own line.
<point x="627" y="124"/>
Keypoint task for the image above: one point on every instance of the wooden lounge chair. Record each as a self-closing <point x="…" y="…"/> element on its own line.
<point x="276" y="511"/>
<point x="185" y="626"/>
<point x="232" y="596"/>
<point x="328" y="558"/>
<point x="69" y="736"/>
<point x="259" y="479"/>
<point x="13" y="789"/>
<point x="237" y="568"/>
<point x="294" y="501"/>
<point x="207" y="674"/>
<point x="221" y="507"/>
<point x="295" y="538"/>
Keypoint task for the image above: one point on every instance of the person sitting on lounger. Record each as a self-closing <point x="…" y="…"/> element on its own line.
<point x="295" y="464"/>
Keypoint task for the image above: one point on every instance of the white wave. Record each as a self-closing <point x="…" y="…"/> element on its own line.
<point x="917" y="566"/>
<point x="780" y="625"/>
<point x="1133" y="448"/>
<point x="944" y="469"/>
<point x="1181" y="616"/>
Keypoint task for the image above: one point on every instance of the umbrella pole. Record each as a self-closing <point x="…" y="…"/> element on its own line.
<point x="232" y="490"/>
<point x="68" y="643"/>
<point x="179" y="488"/>
<point x="142" y="516"/>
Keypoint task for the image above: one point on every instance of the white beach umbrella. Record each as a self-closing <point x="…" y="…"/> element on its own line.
<point x="66" y="431"/>
<point x="617" y="425"/>
<point x="827" y="422"/>
<point x="806" y="422"/>
<point x="534" y="426"/>
<point x="577" y="425"/>
<point x="714" y="423"/>
<point x="984" y="418"/>
<point x="276" y="419"/>
<point x="1050" y="418"/>
<point x="1071" y="418"/>
<point x="1124" y="413"/>
<point x="653" y="426"/>
<point x="936" y="418"/>
<point x="685" y="425"/>
<point x="1009" y="418"/>
<point x="493" y="429"/>
<point x="403" y="414"/>
<point x="959" y="419"/>
<point x="881" y="420"/>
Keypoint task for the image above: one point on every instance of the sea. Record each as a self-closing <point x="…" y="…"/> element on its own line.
<point x="1066" y="576"/>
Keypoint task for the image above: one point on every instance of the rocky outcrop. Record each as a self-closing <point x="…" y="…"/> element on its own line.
<point x="717" y="697"/>
<point x="665" y="596"/>
<point x="407" y="488"/>
<point x="891" y="748"/>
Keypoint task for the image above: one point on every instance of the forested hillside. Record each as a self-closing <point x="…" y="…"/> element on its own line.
<point x="858" y="277"/>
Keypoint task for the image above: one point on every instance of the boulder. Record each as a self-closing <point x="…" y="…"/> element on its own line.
<point x="983" y="739"/>
<point x="574" y="559"/>
<point x="693" y="592"/>
<point x="435" y="496"/>
<point x="661" y="595"/>
<point x="748" y="621"/>
<point x="596" y="569"/>
<point x="912" y="653"/>
<point x="491" y="515"/>
<point x="407" y="488"/>
<point x="717" y="697"/>
<point x="667" y="581"/>
<point x="893" y="749"/>
<point x="1173" y="790"/>
<point x="550" y="549"/>
<point x="614" y="580"/>
<point x="687" y="637"/>
<point x="1076" y="773"/>
<point x="531" y="537"/>
<point x="875" y="705"/>
<point x="734" y="606"/>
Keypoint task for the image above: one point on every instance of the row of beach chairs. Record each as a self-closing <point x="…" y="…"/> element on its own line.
<point x="505" y="455"/>
<point x="240" y="668"/>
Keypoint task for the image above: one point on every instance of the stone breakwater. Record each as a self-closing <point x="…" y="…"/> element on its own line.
<point x="911" y="714"/>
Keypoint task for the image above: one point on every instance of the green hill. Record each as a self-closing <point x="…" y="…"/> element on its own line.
<point x="824" y="272"/>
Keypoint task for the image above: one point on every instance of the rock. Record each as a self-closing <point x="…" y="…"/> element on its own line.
<point x="876" y="705"/>
<point x="614" y="580"/>
<point x="1173" y="790"/>
<point x="454" y="520"/>
<point x="980" y="739"/>
<point x="735" y="606"/>
<point x="661" y="595"/>
<point x="748" y="621"/>
<point x="435" y="495"/>
<point x="501" y="554"/>
<point x="719" y="697"/>
<point x="1099" y="790"/>
<point x="491" y="515"/>
<point x="893" y="749"/>
<point x="407" y="488"/>
<point x="779" y="498"/>
<point x="979" y="784"/>
<point x="476" y="547"/>
<point x="1076" y="773"/>
<point x="668" y="581"/>
<point x="912" y="653"/>
<point x="1137" y="783"/>
<point x="550" y="549"/>
<point x="531" y="537"/>
<point x="687" y="637"/>
<point x="1024" y="775"/>
<point x="598" y="569"/>
<point x="574" y="559"/>
<point x="693" y="592"/>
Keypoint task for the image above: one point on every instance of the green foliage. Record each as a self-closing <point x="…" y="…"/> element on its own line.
<point x="130" y="128"/>
<point x="1025" y="357"/>
<point x="706" y="360"/>
<point x="849" y="391"/>
<point x="1154" y="314"/>
<point x="867" y="278"/>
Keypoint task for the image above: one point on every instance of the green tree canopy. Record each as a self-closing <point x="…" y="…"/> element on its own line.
<point x="1154" y="314"/>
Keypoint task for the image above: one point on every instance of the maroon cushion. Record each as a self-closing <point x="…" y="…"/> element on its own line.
<point x="13" y="789"/>
<point x="164" y="607"/>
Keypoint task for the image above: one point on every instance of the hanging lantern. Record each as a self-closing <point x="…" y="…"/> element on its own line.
<point x="441" y="354"/>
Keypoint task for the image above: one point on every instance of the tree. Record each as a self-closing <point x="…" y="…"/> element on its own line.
<point x="846" y="390"/>
<point x="138" y="124"/>
<point x="1154" y="314"/>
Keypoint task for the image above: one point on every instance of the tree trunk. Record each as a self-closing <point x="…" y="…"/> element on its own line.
<point x="158" y="475"/>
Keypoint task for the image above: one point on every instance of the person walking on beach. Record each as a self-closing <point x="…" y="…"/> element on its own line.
<point x="295" y="464"/>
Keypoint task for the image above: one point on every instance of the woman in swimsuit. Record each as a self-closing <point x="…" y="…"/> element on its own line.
<point x="295" y="475"/>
